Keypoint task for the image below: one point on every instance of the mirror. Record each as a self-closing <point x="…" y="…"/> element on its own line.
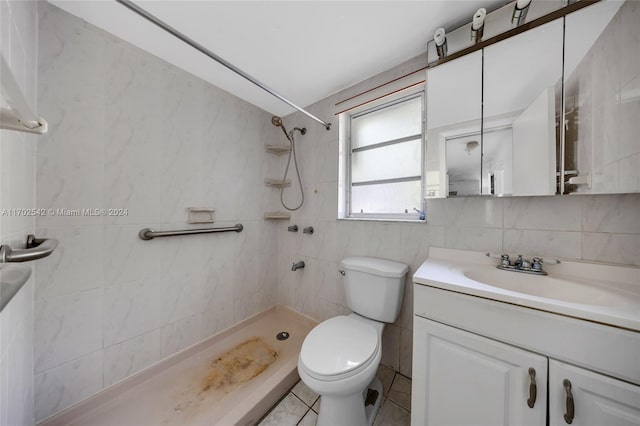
<point x="602" y="99"/>
<point x="454" y="111"/>
<point x="496" y="123"/>
<point x="522" y="103"/>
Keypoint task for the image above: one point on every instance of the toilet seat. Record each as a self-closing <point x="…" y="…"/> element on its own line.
<point x="339" y="348"/>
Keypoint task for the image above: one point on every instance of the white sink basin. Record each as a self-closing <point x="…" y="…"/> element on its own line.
<point x="606" y="294"/>
<point x="572" y="290"/>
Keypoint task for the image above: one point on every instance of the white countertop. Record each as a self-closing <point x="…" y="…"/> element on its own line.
<point x="606" y="294"/>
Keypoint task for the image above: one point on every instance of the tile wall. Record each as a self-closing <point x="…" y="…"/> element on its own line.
<point x="18" y="45"/>
<point x="130" y="131"/>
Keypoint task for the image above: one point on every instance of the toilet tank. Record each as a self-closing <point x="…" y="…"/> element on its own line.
<point x="374" y="287"/>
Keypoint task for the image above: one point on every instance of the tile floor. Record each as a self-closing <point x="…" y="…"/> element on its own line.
<point x="301" y="405"/>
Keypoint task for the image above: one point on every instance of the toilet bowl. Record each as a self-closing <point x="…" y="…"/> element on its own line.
<point x="339" y="357"/>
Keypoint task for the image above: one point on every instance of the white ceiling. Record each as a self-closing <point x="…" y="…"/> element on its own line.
<point x="305" y="50"/>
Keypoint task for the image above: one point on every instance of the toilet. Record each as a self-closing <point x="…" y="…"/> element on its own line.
<point x="340" y="356"/>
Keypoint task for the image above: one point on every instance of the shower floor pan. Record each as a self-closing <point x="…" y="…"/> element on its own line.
<point x="232" y="378"/>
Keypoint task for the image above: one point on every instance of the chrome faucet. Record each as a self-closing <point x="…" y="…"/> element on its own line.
<point x="297" y="265"/>
<point x="533" y="266"/>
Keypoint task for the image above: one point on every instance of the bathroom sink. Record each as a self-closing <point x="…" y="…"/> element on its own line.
<point x="569" y="289"/>
<point x="606" y="294"/>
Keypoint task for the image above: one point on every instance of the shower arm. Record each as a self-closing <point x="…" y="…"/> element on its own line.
<point x="149" y="17"/>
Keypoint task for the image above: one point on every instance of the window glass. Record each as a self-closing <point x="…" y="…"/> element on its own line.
<point x="398" y="198"/>
<point x="388" y="162"/>
<point x="393" y="122"/>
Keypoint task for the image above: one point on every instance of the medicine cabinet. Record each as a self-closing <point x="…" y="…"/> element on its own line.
<point x="551" y="109"/>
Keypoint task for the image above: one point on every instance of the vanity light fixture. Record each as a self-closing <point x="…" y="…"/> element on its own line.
<point x="441" y="42"/>
<point x="520" y="12"/>
<point x="477" y="26"/>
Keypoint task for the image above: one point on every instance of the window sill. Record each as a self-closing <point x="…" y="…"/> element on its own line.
<point x="366" y="219"/>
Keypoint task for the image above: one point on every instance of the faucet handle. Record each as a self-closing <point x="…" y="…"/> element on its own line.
<point x="537" y="264"/>
<point x="505" y="260"/>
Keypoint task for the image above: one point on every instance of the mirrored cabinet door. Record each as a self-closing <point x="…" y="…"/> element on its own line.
<point x="454" y="109"/>
<point x="521" y="111"/>
<point x="602" y="99"/>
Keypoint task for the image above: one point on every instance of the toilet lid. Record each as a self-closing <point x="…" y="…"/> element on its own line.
<point x="338" y="345"/>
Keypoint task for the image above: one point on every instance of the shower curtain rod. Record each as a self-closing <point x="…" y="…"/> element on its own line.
<point x="149" y="17"/>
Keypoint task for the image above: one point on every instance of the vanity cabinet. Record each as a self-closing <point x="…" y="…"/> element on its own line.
<point x="597" y="399"/>
<point x="460" y="378"/>
<point x="472" y="359"/>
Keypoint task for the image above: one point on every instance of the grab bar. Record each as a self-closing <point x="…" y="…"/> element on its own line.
<point x="150" y="233"/>
<point x="37" y="248"/>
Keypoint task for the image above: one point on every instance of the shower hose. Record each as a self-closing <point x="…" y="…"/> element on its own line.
<point x="292" y="152"/>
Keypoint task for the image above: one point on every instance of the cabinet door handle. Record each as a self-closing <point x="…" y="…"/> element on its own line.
<point x="533" y="389"/>
<point x="568" y="417"/>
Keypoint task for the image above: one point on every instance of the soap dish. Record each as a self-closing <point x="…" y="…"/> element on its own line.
<point x="200" y="215"/>
<point x="277" y="216"/>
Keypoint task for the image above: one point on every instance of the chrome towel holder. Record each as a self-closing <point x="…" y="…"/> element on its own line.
<point x="37" y="248"/>
<point x="150" y="233"/>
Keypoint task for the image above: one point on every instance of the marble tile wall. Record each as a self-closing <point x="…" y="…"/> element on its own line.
<point x="600" y="228"/>
<point x="18" y="46"/>
<point x="129" y="131"/>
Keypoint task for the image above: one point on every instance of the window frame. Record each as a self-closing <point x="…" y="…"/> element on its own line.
<point x="359" y="112"/>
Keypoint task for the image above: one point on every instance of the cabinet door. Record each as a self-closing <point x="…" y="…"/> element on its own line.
<point x="454" y="113"/>
<point x="460" y="378"/>
<point x="522" y="84"/>
<point x="597" y="400"/>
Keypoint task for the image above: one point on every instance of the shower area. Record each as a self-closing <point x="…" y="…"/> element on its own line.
<point x="232" y="378"/>
<point x="144" y="145"/>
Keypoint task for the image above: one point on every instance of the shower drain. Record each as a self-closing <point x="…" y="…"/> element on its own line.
<point x="283" y="335"/>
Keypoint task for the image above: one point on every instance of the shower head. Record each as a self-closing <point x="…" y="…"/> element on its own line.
<point x="277" y="121"/>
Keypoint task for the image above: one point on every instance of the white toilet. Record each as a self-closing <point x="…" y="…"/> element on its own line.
<point x="340" y="357"/>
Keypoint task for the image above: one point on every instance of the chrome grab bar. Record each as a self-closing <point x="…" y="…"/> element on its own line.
<point x="37" y="248"/>
<point x="150" y="233"/>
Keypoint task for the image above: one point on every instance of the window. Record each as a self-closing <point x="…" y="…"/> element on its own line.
<point x="385" y="164"/>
